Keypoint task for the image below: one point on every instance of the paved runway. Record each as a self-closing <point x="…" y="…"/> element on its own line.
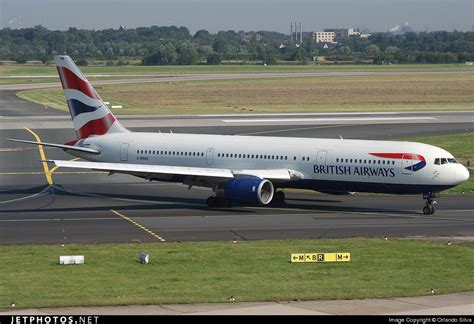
<point x="171" y="77"/>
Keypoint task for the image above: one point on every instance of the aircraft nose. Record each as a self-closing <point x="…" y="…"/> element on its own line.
<point x="462" y="174"/>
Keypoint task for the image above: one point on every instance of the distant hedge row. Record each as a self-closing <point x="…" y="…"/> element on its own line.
<point x="175" y="45"/>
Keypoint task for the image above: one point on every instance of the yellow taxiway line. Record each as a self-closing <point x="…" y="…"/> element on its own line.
<point x="47" y="172"/>
<point x="161" y="239"/>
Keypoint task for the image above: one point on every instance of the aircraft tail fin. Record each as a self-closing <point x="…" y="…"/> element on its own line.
<point x="90" y="115"/>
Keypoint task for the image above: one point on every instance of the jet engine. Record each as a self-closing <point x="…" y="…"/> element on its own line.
<point x="247" y="191"/>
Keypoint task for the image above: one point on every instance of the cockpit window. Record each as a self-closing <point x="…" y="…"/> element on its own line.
<point x="439" y="161"/>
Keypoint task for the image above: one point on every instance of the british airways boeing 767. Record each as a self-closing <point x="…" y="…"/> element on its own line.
<point x="248" y="169"/>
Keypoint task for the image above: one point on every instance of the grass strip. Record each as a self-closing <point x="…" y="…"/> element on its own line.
<point x="211" y="272"/>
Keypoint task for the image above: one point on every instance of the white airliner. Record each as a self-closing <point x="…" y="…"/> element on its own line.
<point x="248" y="169"/>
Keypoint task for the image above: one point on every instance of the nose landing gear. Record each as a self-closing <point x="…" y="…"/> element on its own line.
<point x="429" y="205"/>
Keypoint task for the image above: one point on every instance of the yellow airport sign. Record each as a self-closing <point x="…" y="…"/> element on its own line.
<point x="298" y="258"/>
<point x="320" y="257"/>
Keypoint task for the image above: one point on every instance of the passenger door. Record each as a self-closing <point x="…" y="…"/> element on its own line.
<point x="124" y="152"/>
<point x="209" y="156"/>
<point x="321" y="157"/>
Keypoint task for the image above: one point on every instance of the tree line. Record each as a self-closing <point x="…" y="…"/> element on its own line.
<point x="173" y="45"/>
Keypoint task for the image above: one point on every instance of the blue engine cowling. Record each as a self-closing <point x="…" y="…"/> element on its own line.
<point x="247" y="191"/>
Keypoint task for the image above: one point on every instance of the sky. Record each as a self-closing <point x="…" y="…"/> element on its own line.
<point x="247" y="15"/>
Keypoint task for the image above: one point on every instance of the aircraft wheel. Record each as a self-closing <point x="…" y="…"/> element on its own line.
<point x="279" y="196"/>
<point x="428" y="209"/>
<point x="211" y="202"/>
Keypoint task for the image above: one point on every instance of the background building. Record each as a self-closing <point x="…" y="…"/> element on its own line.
<point x="343" y="33"/>
<point x="331" y="35"/>
<point x="324" y="37"/>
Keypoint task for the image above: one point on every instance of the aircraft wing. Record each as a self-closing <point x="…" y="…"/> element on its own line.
<point x="164" y="172"/>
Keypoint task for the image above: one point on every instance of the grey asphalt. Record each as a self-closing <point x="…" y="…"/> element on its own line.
<point x="78" y="208"/>
<point x="11" y="105"/>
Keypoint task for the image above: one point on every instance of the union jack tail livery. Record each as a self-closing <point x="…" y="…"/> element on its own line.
<point x="90" y="115"/>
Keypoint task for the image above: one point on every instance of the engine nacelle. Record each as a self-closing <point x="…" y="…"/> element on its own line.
<point x="247" y="191"/>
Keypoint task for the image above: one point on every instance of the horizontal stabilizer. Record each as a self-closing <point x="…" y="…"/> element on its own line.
<point x="62" y="146"/>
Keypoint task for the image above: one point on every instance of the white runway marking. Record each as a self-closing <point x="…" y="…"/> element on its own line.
<point x="315" y="114"/>
<point x="278" y="120"/>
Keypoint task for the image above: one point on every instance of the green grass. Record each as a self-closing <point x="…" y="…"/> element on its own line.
<point x="211" y="272"/>
<point x="328" y="94"/>
<point x="45" y="70"/>
<point x="461" y="146"/>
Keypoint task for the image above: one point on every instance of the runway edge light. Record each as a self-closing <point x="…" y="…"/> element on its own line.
<point x="320" y="257"/>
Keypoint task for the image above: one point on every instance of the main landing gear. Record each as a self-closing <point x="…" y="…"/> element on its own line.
<point x="212" y="201"/>
<point x="279" y="197"/>
<point x="218" y="202"/>
<point x="429" y="205"/>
